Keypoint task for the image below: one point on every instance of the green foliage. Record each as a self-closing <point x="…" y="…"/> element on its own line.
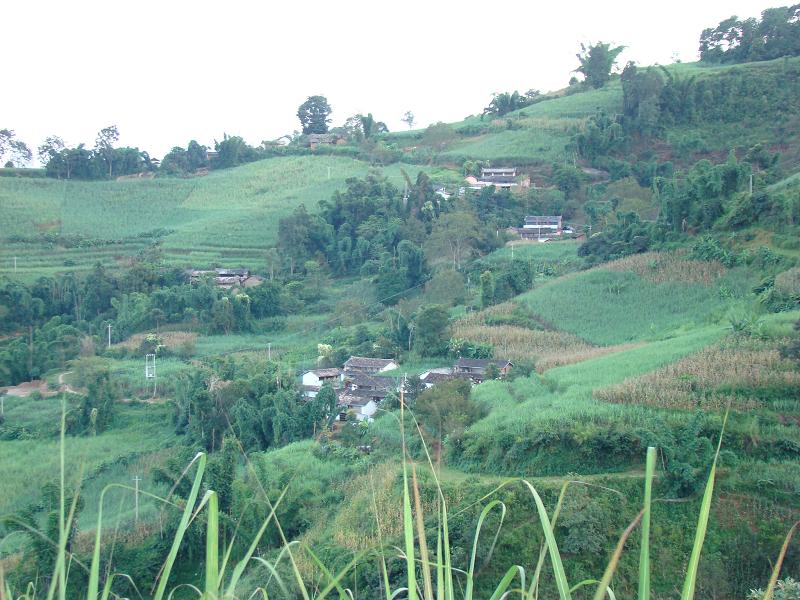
<point x="734" y="40"/>
<point x="432" y="331"/>
<point x="96" y="411"/>
<point x="314" y="115"/>
<point x="506" y="102"/>
<point x="446" y="409"/>
<point x="596" y="63"/>
<point x="589" y="303"/>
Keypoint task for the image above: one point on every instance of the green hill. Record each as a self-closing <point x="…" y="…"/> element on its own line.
<point x="229" y="217"/>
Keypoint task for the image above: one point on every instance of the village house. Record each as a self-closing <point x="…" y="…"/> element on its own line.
<point x="378" y="387"/>
<point x="434" y="376"/>
<point x="369" y="366"/>
<point x="359" y="403"/>
<point x="312" y="381"/>
<point x="498" y="177"/>
<point x="314" y="140"/>
<point x="475" y="368"/>
<point x="226" y="278"/>
<point x="537" y="226"/>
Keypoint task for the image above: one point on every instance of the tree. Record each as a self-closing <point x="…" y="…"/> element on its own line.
<point x="446" y="410"/>
<point x="371" y="127"/>
<point x="454" y="235"/>
<point x="776" y="34"/>
<point x="432" y="331"/>
<point x="507" y="102"/>
<point x="487" y="289"/>
<point x="52" y="146"/>
<point x="104" y="145"/>
<point x="20" y="154"/>
<point x="314" y="115"/>
<point x="438" y="135"/>
<point x="597" y="62"/>
<point x="232" y="151"/>
<point x="408" y="119"/>
<point x="196" y="156"/>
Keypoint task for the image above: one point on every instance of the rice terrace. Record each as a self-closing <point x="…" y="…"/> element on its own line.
<point x="549" y="350"/>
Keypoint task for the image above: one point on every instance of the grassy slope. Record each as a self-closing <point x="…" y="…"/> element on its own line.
<point x="228" y="217"/>
<point x="138" y="436"/>
<point x="607" y="307"/>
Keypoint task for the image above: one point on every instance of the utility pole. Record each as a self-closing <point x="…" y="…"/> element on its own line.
<point x="329" y="172"/>
<point x="109" y="335"/>
<point x="751" y="184"/>
<point x="136" y="481"/>
<point x="269" y="351"/>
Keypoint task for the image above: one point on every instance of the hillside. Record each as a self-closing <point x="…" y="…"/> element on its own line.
<point x="227" y="218"/>
<point x="669" y="319"/>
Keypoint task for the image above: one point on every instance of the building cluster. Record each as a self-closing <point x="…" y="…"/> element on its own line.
<point x="225" y="278"/>
<point x="362" y="383"/>
<point x="499" y="177"/>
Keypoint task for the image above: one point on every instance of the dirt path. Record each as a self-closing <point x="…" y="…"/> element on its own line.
<point x="65" y="387"/>
<point x="25" y="389"/>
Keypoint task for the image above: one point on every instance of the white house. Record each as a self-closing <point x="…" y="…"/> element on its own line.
<point x="360" y="404"/>
<point x="312" y="381"/>
<point x="318" y="377"/>
<point x="370" y="366"/>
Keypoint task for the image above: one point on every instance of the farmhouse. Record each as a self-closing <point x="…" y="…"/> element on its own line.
<point x="359" y="402"/>
<point x="475" y="368"/>
<point x="540" y="226"/>
<point x="369" y="366"/>
<point x="379" y="387"/>
<point x="225" y="278"/>
<point x="498" y="177"/>
<point x="312" y="381"/>
<point x="314" y="140"/>
<point x="434" y="376"/>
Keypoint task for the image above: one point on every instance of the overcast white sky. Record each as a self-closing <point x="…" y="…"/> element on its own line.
<point x="170" y="71"/>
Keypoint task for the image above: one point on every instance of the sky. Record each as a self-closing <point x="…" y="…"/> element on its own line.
<point x="165" y="72"/>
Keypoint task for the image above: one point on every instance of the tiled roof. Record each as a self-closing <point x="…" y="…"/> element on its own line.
<point x="482" y="363"/>
<point x="364" y="361"/>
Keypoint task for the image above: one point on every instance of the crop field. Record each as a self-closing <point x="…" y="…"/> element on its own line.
<point x="743" y="374"/>
<point x="540" y="132"/>
<point x="139" y="431"/>
<point x="227" y="217"/>
<point x="613" y="307"/>
<point x="521" y="146"/>
<point x="661" y="267"/>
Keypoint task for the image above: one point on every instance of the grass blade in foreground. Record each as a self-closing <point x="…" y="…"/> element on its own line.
<point x="702" y="524"/>
<point x="644" y="553"/>
<point x="552" y="547"/>
<point x="182" y="526"/>
<point x="212" y="547"/>
<point x="773" y="580"/>
<point x="605" y="582"/>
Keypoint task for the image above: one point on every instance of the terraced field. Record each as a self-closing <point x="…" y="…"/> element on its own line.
<point x="228" y="217"/>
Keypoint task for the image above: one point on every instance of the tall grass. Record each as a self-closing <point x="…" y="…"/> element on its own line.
<point x="440" y="578"/>
<point x="610" y="307"/>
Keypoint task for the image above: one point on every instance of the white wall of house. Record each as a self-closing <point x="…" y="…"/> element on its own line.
<point x="389" y="367"/>
<point x="366" y="412"/>
<point x="310" y="378"/>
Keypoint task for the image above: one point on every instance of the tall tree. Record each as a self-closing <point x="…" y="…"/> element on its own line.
<point x="314" y="115"/>
<point x="408" y="119"/>
<point x="104" y="145"/>
<point x="19" y="153"/>
<point x="597" y="62"/>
